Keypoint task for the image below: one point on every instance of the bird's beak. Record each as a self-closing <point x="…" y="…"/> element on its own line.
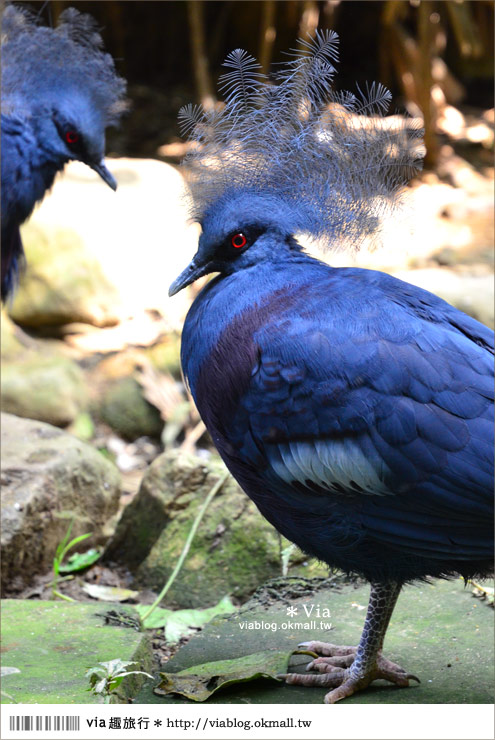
<point x="105" y="174"/>
<point x="192" y="272"/>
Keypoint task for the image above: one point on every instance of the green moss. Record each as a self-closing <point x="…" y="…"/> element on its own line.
<point x="53" y="644"/>
<point x="438" y="632"/>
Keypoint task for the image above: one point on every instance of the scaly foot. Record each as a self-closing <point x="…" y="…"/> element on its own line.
<point x="335" y="670"/>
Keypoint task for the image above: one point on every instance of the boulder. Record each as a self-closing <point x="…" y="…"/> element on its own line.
<point x="165" y="355"/>
<point x="63" y="282"/>
<point x="234" y="550"/>
<point x="49" y="478"/>
<point x="39" y="379"/>
<point x="124" y="408"/>
<point x="10" y="344"/>
<point x="118" y="396"/>
<point x="438" y="631"/>
<point x="43" y="387"/>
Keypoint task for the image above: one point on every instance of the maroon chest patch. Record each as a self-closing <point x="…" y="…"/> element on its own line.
<point x="226" y="372"/>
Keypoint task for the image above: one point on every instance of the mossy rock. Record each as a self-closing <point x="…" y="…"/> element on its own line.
<point x="234" y="550"/>
<point x="63" y="282"/>
<point x="51" y="644"/>
<point x="50" y="389"/>
<point x="438" y="632"/>
<point x="124" y="408"/>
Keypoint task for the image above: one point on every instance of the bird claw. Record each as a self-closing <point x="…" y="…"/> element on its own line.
<point x="327" y="648"/>
<point x="313" y="679"/>
<point x="326" y="665"/>
<point x="352" y="684"/>
<point x="334" y="668"/>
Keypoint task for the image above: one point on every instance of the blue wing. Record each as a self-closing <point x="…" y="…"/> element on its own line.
<point x="369" y="400"/>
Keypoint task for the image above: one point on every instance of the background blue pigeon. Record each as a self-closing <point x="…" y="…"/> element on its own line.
<point x="59" y="93"/>
<point x="354" y="409"/>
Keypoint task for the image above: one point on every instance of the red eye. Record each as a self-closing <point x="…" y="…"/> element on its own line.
<point x="71" y="137"/>
<point x="239" y="241"/>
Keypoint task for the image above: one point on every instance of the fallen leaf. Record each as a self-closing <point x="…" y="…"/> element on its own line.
<point x="7" y="670"/>
<point x="199" y="682"/>
<point x="109" y="593"/>
<point x="180" y="623"/>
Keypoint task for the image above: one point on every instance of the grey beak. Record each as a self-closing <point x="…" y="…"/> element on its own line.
<point x="189" y="275"/>
<point x="105" y="174"/>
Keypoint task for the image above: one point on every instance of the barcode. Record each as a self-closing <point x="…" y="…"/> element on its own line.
<point x="48" y="724"/>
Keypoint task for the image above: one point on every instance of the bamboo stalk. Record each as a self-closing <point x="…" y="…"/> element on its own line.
<point x="195" y="14"/>
<point x="268" y="34"/>
<point x="425" y="82"/>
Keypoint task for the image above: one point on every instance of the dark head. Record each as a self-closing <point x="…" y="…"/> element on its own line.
<point x="70" y="127"/>
<point x="241" y="230"/>
<point x="63" y="82"/>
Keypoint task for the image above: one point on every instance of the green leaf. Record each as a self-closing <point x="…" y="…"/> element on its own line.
<point x="95" y="673"/>
<point x="80" y="560"/>
<point x="116" y="665"/>
<point x="115" y="683"/>
<point x="158" y="618"/>
<point x="180" y="623"/>
<point x="200" y="681"/>
<point x="132" y="673"/>
<point x="72" y="544"/>
<point x="62" y="544"/>
<point x="77" y="540"/>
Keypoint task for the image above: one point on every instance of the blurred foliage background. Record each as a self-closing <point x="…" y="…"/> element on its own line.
<point x="430" y="53"/>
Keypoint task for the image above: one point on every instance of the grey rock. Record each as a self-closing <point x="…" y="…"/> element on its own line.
<point x="46" y="388"/>
<point x="49" y="478"/>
